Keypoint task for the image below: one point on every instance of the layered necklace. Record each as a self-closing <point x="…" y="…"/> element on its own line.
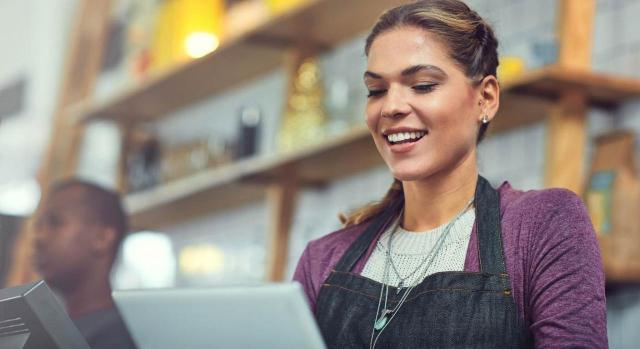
<point x="385" y="314"/>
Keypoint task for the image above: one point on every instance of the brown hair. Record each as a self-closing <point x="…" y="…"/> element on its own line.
<point x="471" y="44"/>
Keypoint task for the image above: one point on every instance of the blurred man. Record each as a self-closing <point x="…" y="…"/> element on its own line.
<point x="78" y="232"/>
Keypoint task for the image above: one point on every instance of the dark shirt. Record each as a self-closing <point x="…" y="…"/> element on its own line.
<point x="104" y="329"/>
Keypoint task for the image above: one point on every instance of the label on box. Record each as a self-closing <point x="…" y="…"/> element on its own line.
<point x="599" y="200"/>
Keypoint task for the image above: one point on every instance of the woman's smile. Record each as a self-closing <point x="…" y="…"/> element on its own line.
<point x="403" y="139"/>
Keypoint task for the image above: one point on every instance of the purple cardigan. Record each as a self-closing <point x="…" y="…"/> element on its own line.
<point x="551" y="255"/>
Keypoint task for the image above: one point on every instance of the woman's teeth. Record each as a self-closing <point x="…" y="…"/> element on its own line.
<point x="401" y="137"/>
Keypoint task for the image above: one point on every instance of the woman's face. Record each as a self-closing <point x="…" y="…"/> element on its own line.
<point x="423" y="112"/>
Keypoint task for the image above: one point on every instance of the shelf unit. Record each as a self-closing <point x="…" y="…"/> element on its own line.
<point x="525" y="100"/>
<point x="246" y="181"/>
<point x="558" y="94"/>
<point x="322" y="24"/>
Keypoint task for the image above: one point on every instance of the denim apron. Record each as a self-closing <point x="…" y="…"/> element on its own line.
<point x="446" y="310"/>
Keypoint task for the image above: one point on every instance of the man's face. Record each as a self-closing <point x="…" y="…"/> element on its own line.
<point x="64" y="239"/>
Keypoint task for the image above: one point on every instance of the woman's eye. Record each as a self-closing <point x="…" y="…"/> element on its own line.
<point x="424" y="87"/>
<point x="375" y="93"/>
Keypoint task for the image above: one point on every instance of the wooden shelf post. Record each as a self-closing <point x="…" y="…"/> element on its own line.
<point x="282" y="202"/>
<point x="82" y="64"/>
<point x="567" y="131"/>
<point x="281" y="196"/>
<point x="566" y="139"/>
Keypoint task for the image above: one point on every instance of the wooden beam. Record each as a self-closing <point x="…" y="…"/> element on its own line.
<point x="575" y="31"/>
<point x="281" y="196"/>
<point x="282" y="202"/>
<point x="566" y="139"/>
<point x="70" y="150"/>
<point x="82" y="65"/>
<point x="566" y="126"/>
<point x="20" y="270"/>
<point x="122" y="181"/>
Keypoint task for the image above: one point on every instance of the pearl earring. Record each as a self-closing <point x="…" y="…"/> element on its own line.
<point x="485" y="119"/>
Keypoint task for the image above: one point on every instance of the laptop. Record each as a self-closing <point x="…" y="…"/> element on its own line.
<point x="263" y="316"/>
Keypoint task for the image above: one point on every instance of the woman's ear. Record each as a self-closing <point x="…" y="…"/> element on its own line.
<point x="490" y="96"/>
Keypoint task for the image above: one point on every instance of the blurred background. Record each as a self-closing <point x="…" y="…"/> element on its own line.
<point x="234" y="129"/>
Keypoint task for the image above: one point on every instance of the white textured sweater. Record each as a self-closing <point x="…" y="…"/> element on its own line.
<point x="409" y="250"/>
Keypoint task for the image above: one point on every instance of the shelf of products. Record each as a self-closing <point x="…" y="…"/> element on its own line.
<point x="524" y="100"/>
<point x="321" y="24"/>
<point x="243" y="182"/>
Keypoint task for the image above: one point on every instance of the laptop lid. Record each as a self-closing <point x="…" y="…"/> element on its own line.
<point x="264" y="316"/>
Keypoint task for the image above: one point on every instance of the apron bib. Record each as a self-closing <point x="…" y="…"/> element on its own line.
<point x="446" y="310"/>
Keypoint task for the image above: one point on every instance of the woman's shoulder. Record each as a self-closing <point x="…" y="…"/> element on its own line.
<point x="544" y="215"/>
<point x="546" y="201"/>
<point x="337" y="242"/>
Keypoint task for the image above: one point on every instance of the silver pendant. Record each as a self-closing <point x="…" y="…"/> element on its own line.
<point x="382" y="320"/>
<point x="400" y="286"/>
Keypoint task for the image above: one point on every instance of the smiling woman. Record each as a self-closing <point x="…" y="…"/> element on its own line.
<point x="444" y="259"/>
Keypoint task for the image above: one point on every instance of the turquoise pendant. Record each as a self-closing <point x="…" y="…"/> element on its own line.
<point x="382" y="321"/>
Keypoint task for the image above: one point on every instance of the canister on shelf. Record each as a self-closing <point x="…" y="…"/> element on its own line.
<point x="338" y="104"/>
<point x="510" y="67"/>
<point x="249" y="132"/>
<point x="185" y="29"/>
<point x="143" y="161"/>
<point x="277" y="7"/>
<point x="304" y="119"/>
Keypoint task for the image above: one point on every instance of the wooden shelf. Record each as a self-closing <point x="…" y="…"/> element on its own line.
<point x="243" y="182"/>
<point x="602" y="90"/>
<point x="319" y="23"/>
<point x="524" y="100"/>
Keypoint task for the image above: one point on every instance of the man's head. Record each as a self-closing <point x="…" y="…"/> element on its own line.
<point x="78" y="231"/>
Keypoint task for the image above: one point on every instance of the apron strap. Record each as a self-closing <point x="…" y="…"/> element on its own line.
<point x="362" y="243"/>
<point x="490" y="254"/>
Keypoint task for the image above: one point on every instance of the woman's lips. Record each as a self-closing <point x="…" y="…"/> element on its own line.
<point x="400" y="148"/>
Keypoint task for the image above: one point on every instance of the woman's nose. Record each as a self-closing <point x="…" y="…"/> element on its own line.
<point x="395" y="104"/>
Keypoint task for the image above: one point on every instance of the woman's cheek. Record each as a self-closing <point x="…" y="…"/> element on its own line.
<point x="371" y="119"/>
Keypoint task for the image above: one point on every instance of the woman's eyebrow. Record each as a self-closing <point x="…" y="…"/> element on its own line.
<point x="421" y="67"/>
<point x="411" y="71"/>
<point x="369" y="74"/>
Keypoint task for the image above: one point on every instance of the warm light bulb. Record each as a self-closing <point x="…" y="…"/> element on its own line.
<point x="199" y="44"/>
<point x="201" y="259"/>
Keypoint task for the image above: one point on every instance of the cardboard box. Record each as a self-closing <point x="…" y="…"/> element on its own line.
<point x="613" y="199"/>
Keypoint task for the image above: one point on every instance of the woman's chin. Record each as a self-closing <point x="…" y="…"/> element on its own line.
<point x="409" y="174"/>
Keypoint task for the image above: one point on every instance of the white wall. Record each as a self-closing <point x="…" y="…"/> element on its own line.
<point x="33" y="37"/>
